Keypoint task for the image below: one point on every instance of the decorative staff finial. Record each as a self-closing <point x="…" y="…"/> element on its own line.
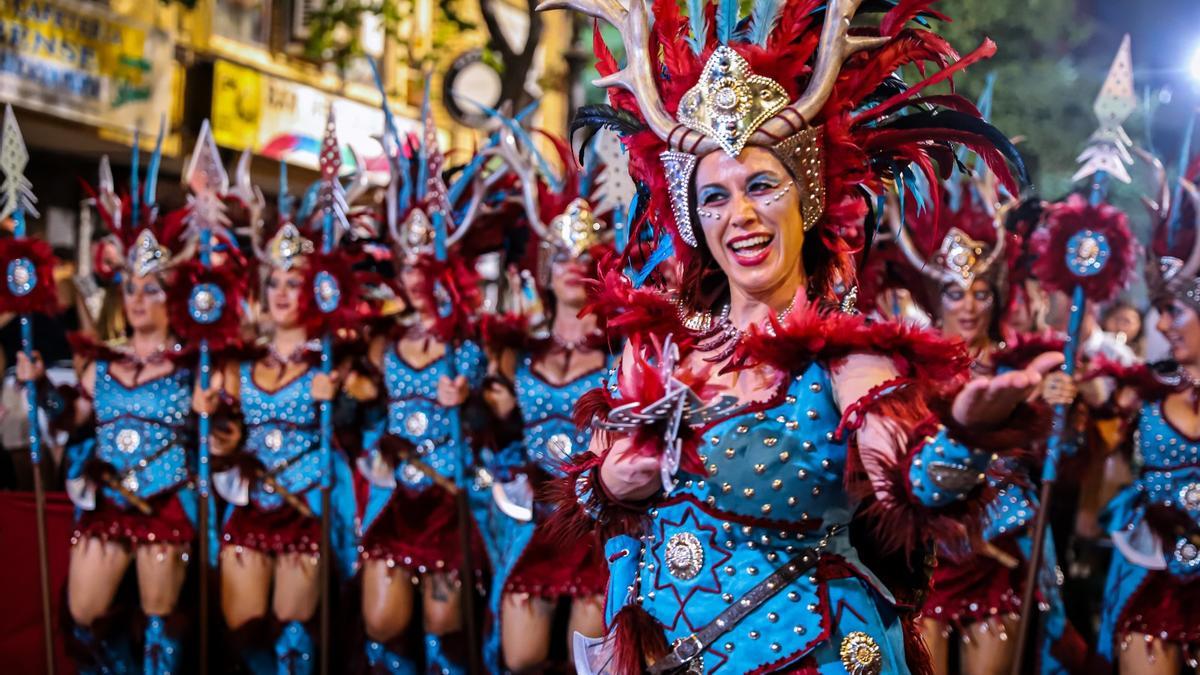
<point x="332" y="194"/>
<point x="206" y="177"/>
<point x="1108" y="147"/>
<point x="16" y="192"/>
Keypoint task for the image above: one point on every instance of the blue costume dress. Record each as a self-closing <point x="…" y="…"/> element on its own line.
<point x="532" y="560"/>
<point x="979" y="587"/>
<point x="143" y="441"/>
<point x="1153" y="585"/>
<point x="408" y="520"/>
<point x="283" y="442"/>
<point x="779" y="478"/>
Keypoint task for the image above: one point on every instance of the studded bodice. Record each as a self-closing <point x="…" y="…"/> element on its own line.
<point x="140" y="431"/>
<point x="415" y="415"/>
<point x="1170" y="471"/>
<point x="550" y="435"/>
<point x="774" y="483"/>
<point x="282" y="432"/>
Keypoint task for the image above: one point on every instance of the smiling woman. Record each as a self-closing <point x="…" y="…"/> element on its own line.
<point x="799" y="468"/>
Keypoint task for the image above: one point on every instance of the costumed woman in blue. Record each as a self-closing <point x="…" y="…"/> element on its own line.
<point x="131" y="460"/>
<point x="545" y="361"/>
<point x="969" y="276"/>
<point x="1150" y="624"/>
<point x="429" y="364"/>
<point x="772" y="466"/>
<point x="271" y="533"/>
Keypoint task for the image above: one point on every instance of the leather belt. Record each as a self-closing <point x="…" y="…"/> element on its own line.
<point x="687" y="648"/>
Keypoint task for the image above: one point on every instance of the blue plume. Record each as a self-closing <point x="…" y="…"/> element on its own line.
<point x="763" y="18"/>
<point x="134" y="186"/>
<point x="308" y="203"/>
<point x="284" y="202"/>
<point x="423" y="158"/>
<point x="155" y="160"/>
<point x="520" y="132"/>
<point x="699" y="25"/>
<point x="400" y="163"/>
<point x="727" y="19"/>
<point x="664" y="250"/>
<point x="590" y="162"/>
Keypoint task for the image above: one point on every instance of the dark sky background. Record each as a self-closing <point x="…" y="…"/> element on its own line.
<point x="1165" y="35"/>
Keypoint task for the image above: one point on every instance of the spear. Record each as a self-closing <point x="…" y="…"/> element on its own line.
<point x="1089" y="253"/>
<point x="206" y="177"/>
<point x="16" y="194"/>
<point x="333" y="206"/>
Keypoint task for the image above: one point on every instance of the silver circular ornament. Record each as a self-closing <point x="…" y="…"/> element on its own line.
<point x="560" y="446"/>
<point x="327" y="292"/>
<point x="206" y="303"/>
<point x="22" y="277"/>
<point x="684" y="556"/>
<point x="128" y="440"/>
<point x="1088" y="252"/>
<point x="274" y="439"/>
<point x="416" y="423"/>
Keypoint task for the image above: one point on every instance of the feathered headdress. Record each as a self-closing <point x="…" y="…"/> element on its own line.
<point x="795" y="78"/>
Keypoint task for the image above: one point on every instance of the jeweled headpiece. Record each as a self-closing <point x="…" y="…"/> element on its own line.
<point x="288" y="247"/>
<point x="794" y="80"/>
<point x="576" y="230"/>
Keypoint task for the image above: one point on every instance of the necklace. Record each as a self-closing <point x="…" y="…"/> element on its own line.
<point x="297" y="354"/>
<point x="725" y="338"/>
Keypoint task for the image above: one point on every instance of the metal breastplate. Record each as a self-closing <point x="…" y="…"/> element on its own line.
<point x="414" y="413"/>
<point x="139" y="431"/>
<point x="551" y="438"/>
<point x="775" y="480"/>
<point x="282" y="433"/>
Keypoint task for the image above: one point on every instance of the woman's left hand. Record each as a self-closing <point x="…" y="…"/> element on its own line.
<point x="989" y="401"/>
<point x="452" y="393"/>
<point x="325" y="386"/>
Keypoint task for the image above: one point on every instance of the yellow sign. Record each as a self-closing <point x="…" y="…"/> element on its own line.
<point x="80" y="61"/>
<point x="237" y="105"/>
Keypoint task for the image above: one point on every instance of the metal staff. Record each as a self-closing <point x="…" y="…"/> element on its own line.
<point x="18" y="199"/>
<point x="328" y="295"/>
<point x="1089" y="252"/>
<point x="206" y="177"/>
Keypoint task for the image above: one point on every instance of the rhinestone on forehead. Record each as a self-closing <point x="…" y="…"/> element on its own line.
<point x="730" y="102"/>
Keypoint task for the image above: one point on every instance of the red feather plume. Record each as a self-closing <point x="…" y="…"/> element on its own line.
<point x="223" y="333"/>
<point x="1066" y="219"/>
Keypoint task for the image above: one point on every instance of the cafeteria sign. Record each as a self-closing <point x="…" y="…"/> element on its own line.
<point x="82" y="62"/>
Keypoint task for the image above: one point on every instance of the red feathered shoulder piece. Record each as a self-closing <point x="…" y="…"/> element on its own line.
<point x="28" y="267"/>
<point x="811" y="332"/>
<point x="628" y="311"/>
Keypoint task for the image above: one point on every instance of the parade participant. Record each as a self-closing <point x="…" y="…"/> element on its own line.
<point x="271" y="536"/>
<point x="410" y="537"/>
<point x="1149" y="624"/>
<point x="969" y="281"/>
<point x="548" y="361"/>
<point x="131" y="461"/>
<point x="746" y="524"/>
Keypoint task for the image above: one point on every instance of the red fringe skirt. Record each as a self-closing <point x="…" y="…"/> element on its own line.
<point x="977" y="588"/>
<point x="552" y="568"/>
<point x="167" y="523"/>
<point x="1164" y="607"/>
<point x="419" y="531"/>
<point x="275" y="532"/>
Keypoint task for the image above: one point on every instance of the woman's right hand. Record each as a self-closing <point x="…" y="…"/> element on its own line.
<point x="206" y="401"/>
<point x="628" y="476"/>
<point x="499" y="398"/>
<point x="30" y="369"/>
